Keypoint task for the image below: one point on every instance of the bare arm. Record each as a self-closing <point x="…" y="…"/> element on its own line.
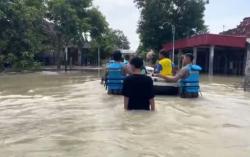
<point x="127" y="70"/>
<point x="152" y="104"/>
<point x="171" y="79"/>
<point x="126" y="100"/>
<point x="181" y="74"/>
<point x="105" y="70"/>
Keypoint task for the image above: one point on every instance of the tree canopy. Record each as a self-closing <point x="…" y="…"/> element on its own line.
<point x="111" y="40"/>
<point x="120" y="40"/>
<point x="29" y="27"/>
<point x="158" y="16"/>
<point x="20" y="36"/>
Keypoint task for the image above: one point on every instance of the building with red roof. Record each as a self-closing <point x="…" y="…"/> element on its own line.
<point x="223" y="53"/>
<point x="242" y="30"/>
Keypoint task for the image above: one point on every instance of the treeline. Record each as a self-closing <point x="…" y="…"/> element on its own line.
<point x="29" y="27"/>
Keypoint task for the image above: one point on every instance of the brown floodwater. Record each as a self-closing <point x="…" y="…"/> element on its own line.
<point x="51" y="114"/>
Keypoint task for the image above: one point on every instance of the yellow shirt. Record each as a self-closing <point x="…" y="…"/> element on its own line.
<point x="166" y="65"/>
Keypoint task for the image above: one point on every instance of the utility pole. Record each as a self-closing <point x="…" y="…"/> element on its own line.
<point x="173" y="55"/>
<point x="99" y="62"/>
<point x="99" y="58"/>
<point x="173" y="34"/>
<point x="66" y="58"/>
<point x="224" y="28"/>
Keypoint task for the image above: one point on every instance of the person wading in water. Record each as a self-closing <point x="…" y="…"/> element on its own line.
<point x="138" y="89"/>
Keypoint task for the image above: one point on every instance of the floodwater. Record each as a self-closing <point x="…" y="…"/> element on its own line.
<point x="50" y="114"/>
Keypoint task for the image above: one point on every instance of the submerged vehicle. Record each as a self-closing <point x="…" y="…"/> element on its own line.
<point x="186" y="88"/>
<point x="161" y="87"/>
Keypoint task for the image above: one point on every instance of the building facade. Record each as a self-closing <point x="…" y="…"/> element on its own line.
<point x="224" y="53"/>
<point x="217" y="54"/>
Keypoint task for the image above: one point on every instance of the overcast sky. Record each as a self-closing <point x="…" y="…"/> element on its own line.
<point x="123" y="15"/>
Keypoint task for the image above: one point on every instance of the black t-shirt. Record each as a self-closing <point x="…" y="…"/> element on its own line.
<point x="139" y="90"/>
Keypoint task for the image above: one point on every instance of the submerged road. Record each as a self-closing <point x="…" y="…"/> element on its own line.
<point x="57" y="114"/>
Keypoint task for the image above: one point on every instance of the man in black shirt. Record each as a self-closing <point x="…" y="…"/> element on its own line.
<point x="138" y="89"/>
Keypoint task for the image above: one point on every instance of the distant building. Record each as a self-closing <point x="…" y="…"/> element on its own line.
<point x="216" y="54"/>
<point x="128" y="52"/>
<point x="225" y="53"/>
<point x="76" y="55"/>
<point x="242" y="30"/>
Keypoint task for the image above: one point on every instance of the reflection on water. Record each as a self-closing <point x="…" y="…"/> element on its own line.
<point x="50" y="114"/>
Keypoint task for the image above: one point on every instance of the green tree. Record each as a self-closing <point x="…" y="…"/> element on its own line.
<point x="109" y="41"/>
<point x="29" y="27"/>
<point x="120" y="40"/>
<point x="157" y="16"/>
<point x="20" y="36"/>
<point x="70" y="21"/>
<point x="98" y="23"/>
<point x="74" y="21"/>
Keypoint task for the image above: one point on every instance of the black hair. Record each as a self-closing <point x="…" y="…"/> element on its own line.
<point x="137" y="62"/>
<point x="127" y="57"/>
<point x="190" y="56"/>
<point x="164" y="53"/>
<point x="117" y="55"/>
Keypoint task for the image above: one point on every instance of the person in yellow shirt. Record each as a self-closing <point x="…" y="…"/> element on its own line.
<point x="165" y="66"/>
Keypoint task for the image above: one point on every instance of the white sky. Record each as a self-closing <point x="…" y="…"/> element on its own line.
<point x="123" y="15"/>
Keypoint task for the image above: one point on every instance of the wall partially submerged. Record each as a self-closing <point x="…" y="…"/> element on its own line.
<point x="247" y="70"/>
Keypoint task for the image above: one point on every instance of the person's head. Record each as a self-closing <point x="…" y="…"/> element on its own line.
<point x="136" y="63"/>
<point x="187" y="58"/>
<point x="163" y="54"/>
<point x="117" y="56"/>
<point x="127" y="57"/>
